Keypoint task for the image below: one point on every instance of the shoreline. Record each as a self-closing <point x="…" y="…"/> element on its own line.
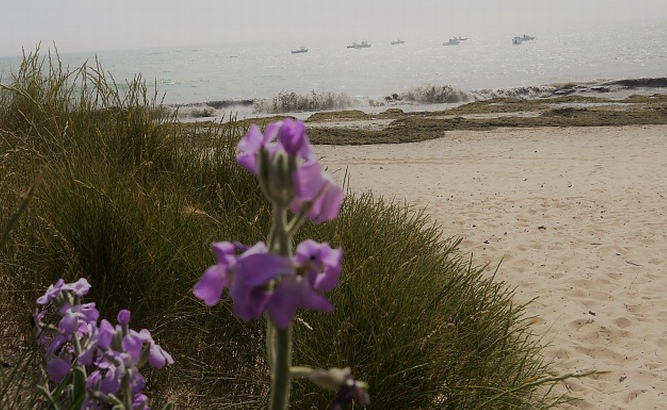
<point x="420" y="98"/>
<point x="575" y="216"/>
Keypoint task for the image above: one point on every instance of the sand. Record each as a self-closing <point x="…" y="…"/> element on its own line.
<point x="578" y="217"/>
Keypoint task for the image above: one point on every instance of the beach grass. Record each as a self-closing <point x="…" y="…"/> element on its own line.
<point x="132" y="200"/>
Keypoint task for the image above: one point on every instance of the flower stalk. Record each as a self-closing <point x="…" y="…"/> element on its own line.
<point x="272" y="279"/>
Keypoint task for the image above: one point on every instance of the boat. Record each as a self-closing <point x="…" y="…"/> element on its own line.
<point x="520" y="39"/>
<point x="461" y="38"/>
<point x="363" y="44"/>
<point x="397" y="41"/>
<point x="452" y="42"/>
<point x="300" y="50"/>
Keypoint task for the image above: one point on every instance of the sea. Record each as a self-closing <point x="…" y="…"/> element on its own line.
<point x="251" y="78"/>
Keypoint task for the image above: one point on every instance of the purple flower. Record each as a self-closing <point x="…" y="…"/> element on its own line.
<point x="316" y="195"/>
<point x="77" y="318"/>
<point x="140" y="402"/>
<point x="254" y="270"/>
<point x="80" y="287"/>
<point x="293" y="138"/>
<point x="319" y="269"/>
<point x="213" y="282"/>
<point x="253" y="142"/>
<point x="124" y="317"/>
<point x="57" y="368"/>
<point x="350" y="390"/>
<point x="106" y="379"/>
<point x="323" y="264"/>
<point x="135" y="343"/>
<point x="51" y="292"/>
<point x="294" y="291"/>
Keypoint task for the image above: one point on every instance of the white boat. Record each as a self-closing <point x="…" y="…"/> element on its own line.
<point x="461" y="38"/>
<point x="397" y="41"/>
<point x="363" y="44"/>
<point x="452" y="42"/>
<point x="300" y="50"/>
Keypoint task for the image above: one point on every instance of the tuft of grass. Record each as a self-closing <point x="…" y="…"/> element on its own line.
<point x="131" y="200"/>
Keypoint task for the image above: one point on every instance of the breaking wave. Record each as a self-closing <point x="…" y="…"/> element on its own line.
<point x="208" y="109"/>
<point x="532" y="92"/>
<point x="434" y="94"/>
<point x="287" y="102"/>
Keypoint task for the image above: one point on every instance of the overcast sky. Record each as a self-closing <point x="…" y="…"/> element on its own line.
<point x="96" y="25"/>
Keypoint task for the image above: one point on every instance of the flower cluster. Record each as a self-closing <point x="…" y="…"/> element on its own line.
<point x="314" y="268"/>
<point x="274" y="157"/>
<point x="108" y="356"/>
<point x="261" y="278"/>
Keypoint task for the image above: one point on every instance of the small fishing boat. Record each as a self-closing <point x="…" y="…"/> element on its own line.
<point x="520" y="39"/>
<point x="300" y="50"/>
<point x="363" y="44"/>
<point x="397" y="41"/>
<point x="452" y="42"/>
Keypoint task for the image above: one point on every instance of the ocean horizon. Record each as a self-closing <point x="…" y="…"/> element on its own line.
<point x="247" y="77"/>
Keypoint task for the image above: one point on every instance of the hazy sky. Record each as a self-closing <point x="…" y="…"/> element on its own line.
<point x="96" y="25"/>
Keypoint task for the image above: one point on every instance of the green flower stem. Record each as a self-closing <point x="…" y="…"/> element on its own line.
<point x="280" y="238"/>
<point x="280" y="373"/>
<point x="279" y="341"/>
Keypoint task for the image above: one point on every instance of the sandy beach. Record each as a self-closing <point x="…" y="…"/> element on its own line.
<point x="578" y="217"/>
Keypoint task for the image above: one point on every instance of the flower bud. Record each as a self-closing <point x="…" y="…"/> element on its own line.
<point x="124" y="317"/>
<point x="280" y="185"/>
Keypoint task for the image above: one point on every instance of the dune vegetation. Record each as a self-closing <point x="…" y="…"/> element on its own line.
<point x="96" y="181"/>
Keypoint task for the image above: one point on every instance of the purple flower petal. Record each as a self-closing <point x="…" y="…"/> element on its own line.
<point x="80" y="287"/>
<point x="314" y="187"/>
<point x="51" y="292"/>
<point x="328" y="204"/>
<point x="261" y="268"/>
<point x="110" y="383"/>
<point x="137" y="382"/>
<point x="213" y="282"/>
<point x="249" y="301"/>
<point x="104" y="335"/>
<point x="294" y="292"/>
<point x="323" y="264"/>
<point x="248" y="149"/>
<point x="57" y="368"/>
<point x="158" y="357"/>
<point x="293" y="138"/>
<point x="132" y="343"/>
<point x="253" y="142"/>
<point x="210" y="286"/>
<point x="68" y="324"/>
<point x="140" y="402"/>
